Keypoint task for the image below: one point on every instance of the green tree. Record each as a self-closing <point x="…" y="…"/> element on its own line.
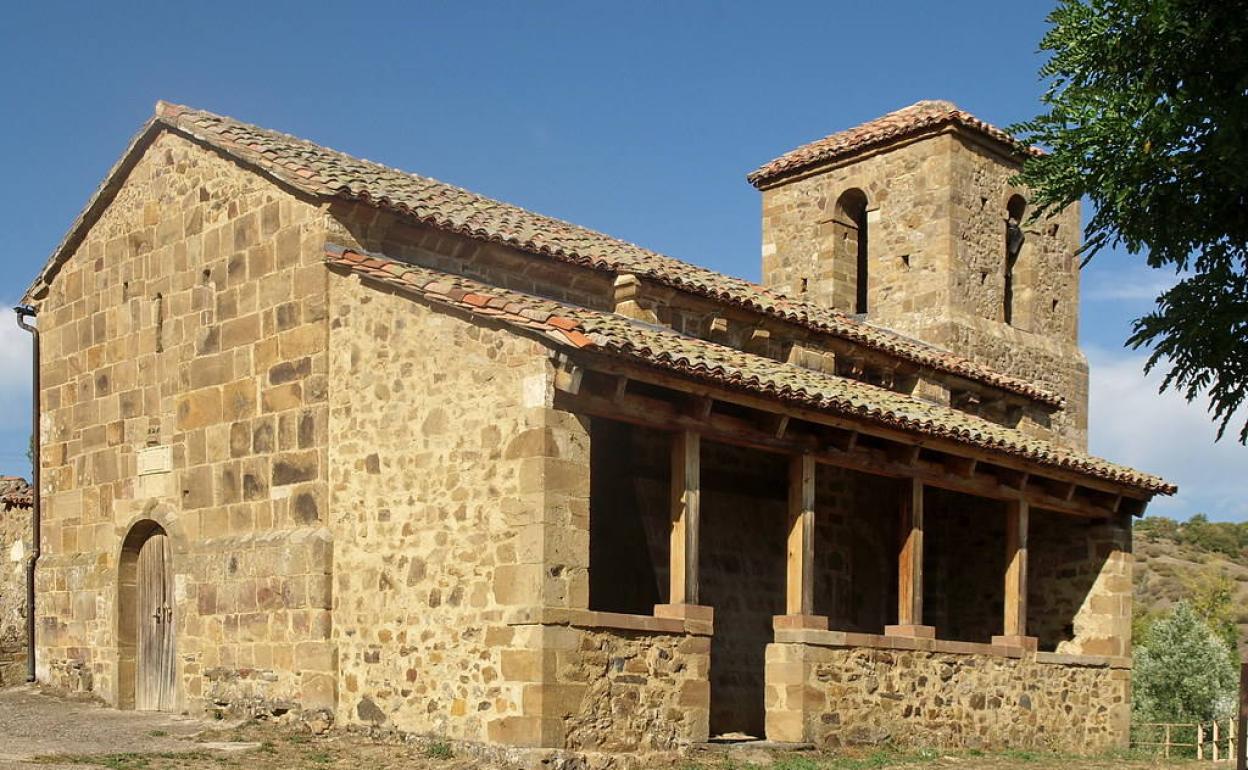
<point x="1183" y="672"/>
<point x="1147" y="116"/>
<point x="1211" y="595"/>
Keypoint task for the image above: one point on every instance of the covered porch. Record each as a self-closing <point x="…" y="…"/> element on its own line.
<point x="866" y="584"/>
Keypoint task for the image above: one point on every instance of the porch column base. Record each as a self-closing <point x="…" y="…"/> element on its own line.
<point x="699" y="618"/>
<point x="911" y="631"/>
<point x="1029" y="643"/>
<point x="812" y="622"/>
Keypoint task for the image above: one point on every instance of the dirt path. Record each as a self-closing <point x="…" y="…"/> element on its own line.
<point x="42" y="732"/>
<point x="33" y="724"/>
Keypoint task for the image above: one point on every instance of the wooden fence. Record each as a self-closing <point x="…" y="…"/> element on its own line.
<point x="1215" y="741"/>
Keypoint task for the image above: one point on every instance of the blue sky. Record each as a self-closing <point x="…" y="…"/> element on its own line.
<point x="639" y="119"/>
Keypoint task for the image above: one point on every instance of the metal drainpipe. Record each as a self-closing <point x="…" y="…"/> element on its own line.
<point x="23" y="313"/>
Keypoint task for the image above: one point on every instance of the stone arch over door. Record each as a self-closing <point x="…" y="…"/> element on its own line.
<point x="146" y="620"/>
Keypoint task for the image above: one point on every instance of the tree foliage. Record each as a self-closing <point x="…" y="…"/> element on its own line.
<point x="1224" y="537"/>
<point x="1183" y="672"/>
<point x="1147" y="116"/>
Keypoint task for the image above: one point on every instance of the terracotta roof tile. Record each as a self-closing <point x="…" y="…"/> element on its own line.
<point x="917" y="118"/>
<point x="699" y="359"/>
<point x="325" y="172"/>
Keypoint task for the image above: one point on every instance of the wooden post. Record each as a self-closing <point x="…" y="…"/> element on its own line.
<point x="686" y="512"/>
<point x="1215" y="740"/>
<point x="1200" y="739"/>
<point x="1167" y="743"/>
<point x="910" y="566"/>
<point x="800" y="592"/>
<point x="1017" y="523"/>
<point x="1241" y="731"/>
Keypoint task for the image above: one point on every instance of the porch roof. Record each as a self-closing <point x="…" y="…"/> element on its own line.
<point x="594" y="331"/>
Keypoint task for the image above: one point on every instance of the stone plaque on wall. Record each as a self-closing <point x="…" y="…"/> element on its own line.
<point x="155" y="459"/>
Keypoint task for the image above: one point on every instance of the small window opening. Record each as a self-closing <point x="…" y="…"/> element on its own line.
<point x="905" y="261"/>
<point x="1013" y="247"/>
<point x="851" y="216"/>
<point x="805" y="285"/>
<point x="159" y="302"/>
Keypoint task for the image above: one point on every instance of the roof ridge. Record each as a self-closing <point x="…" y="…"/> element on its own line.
<point x="912" y="119"/>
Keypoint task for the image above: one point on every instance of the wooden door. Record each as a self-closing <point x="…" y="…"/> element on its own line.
<point x="155" y="669"/>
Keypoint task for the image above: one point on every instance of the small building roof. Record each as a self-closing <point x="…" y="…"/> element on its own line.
<point x="15" y="492"/>
<point x="325" y="173"/>
<point x="591" y="330"/>
<point x="920" y="117"/>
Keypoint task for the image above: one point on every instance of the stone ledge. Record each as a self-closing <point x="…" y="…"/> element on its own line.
<point x="882" y="642"/>
<point x="593" y="619"/>
<point x="1090" y="661"/>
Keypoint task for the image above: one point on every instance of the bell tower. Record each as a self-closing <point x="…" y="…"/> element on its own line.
<point x="912" y="222"/>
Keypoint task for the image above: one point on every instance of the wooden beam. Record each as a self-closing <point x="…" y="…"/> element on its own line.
<point x="910" y="561"/>
<point x="685" y="515"/>
<point x="700" y="408"/>
<point x="843" y="440"/>
<point x="800" y="590"/>
<point x="568" y="375"/>
<point x="621" y="388"/>
<point x="961" y="466"/>
<point x="666" y="416"/>
<point x="904" y="454"/>
<point x="777" y="424"/>
<point x="763" y="403"/>
<point x="1017" y="516"/>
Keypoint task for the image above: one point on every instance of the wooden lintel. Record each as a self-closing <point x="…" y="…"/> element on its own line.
<point x="667" y="415"/>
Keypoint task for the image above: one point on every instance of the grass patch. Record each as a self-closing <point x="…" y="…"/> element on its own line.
<point x="439" y="750"/>
<point x="126" y="761"/>
<point x="157" y="733"/>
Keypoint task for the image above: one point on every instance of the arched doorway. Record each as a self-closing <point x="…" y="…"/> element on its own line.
<point x="147" y="671"/>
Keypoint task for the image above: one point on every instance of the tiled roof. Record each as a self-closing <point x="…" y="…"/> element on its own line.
<point x="320" y="171"/>
<point x="917" y="118"/>
<point x="594" y="330"/>
<point x="15" y="492"/>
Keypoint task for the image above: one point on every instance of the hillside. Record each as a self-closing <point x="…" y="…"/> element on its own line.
<point x="1165" y="568"/>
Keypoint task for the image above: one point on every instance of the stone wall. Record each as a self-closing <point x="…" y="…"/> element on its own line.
<point x="936" y="210"/>
<point x="835" y="696"/>
<point x="190" y="318"/>
<point x="621" y="690"/>
<point x="1079" y="584"/>
<point x="16" y="539"/>
<point x="437" y="459"/>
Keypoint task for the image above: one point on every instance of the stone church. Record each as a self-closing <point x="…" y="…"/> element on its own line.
<point x="326" y="439"/>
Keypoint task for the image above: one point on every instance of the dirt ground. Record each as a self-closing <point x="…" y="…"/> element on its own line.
<point x="42" y="732"/>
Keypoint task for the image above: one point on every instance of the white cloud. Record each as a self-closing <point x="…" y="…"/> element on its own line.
<point x="1138" y="282"/>
<point x="14" y="373"/>
<point x="1131" y="423"/>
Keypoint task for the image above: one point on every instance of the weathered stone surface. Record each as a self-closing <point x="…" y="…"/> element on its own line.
<point x="862" y="696"/>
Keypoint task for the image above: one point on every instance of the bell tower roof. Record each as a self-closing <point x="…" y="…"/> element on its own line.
<point x="927" y="116"/>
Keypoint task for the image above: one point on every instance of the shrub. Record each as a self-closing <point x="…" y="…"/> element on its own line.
<point x="1183" y="672"/>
